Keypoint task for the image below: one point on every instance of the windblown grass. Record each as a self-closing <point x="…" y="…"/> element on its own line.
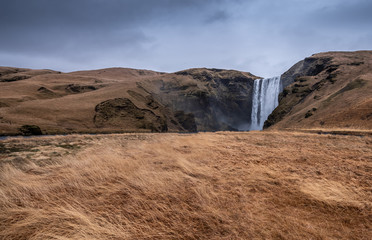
<point x="258" y="185"/>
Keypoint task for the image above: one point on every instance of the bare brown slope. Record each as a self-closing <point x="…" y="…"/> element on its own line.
<point x="10" y="74"/>
<point x="329" y="90"/>
<point x="66" y="102"/>
<point x="257" y="185"/>
<point x="122" y="100"/>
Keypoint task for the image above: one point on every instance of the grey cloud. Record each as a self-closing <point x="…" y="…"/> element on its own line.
<point x="218" y="16"/>
<point x="71" y="27"/>
<point x="264" y="37"/>
<point x="45" y="24"/>
<point x="347" y="14"/>
<point x="92" y="13"/>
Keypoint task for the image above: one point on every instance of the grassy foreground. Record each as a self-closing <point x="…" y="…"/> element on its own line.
<point x="257" y="185"/>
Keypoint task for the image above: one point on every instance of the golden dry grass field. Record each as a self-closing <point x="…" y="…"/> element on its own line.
<point x="224" y="185"/>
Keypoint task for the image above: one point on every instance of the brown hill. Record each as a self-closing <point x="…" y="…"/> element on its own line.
<point x="327" y="90"/>
<point x="62" y="102"/>
<point x="123" y="100"/>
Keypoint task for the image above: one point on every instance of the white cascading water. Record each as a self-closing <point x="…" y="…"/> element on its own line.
<point x="264" y="100"/>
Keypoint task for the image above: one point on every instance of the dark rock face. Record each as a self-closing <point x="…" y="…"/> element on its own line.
<point x="3" y="105"/>
<point x="325" y="89"/>
<point x="218" y="99"/>
<point x="46" y="93"/>
<point x="122" y="113"/>
<point x="75" y="88"/>
<point x="176" y="121"/>
<point x="187" y="121"/>
<point x="148" y="100"/>
<point x="13" y="78"/>
<point x="9" y="74"/>
<point x="295" y="88"/>
<point x="28" y="130"/>
<point x="310" y="66"/>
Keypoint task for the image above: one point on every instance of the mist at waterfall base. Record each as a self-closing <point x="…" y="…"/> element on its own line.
<point x="264" y="100"/>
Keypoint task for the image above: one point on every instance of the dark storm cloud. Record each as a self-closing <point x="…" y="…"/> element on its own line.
<point x="88" y="13"/>
<point x="218" y="16"/>
<point x="84" y="29"/>
<point x="27" y="24"/>
<point x="262" y="36"/>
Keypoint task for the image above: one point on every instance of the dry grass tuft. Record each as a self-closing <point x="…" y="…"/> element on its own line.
<point x="264" y="185"/>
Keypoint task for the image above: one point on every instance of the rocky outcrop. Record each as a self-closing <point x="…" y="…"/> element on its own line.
<point x="122" y="113"/>
<point x="8" y="74"/>
<point x="29" y="130"/>
<point x="310" y="66"/>
<point x="198" y="99"/>
<point x="76" y="88"/>
<point x="44" y="92"/>
<point x="176" y="121"/>
<point x="218" y="99"/>
<point x="326" y="90"/>
<point x="187" y="121"/>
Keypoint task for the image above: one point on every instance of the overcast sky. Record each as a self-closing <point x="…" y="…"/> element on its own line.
<point x="264" y="37"/>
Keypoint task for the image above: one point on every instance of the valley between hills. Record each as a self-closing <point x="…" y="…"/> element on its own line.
<point x="138" y="154"/>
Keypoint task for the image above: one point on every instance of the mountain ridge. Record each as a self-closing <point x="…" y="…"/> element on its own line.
<point x="196" y="99"/>
<point x="326" y="90"/>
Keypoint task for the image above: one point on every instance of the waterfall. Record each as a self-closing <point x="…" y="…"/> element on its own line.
<point x="264" y="100"/>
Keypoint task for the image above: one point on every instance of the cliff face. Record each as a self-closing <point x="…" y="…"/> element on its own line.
<point x="218" y="99"/>
<point x="310" y="66"/>
<point x="326" y="90"/>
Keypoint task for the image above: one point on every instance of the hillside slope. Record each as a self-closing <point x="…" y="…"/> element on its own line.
<point x="123" y="100"/>
<point x="327" y="90"/>
<point x="68" y="102"/>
